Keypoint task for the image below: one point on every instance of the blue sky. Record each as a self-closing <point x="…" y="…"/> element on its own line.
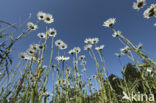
<point x="76" y="20"/>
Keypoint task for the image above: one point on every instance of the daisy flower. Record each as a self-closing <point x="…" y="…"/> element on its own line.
<point x="31" y="26"/>
<point x="63" y="46"/>
<point x="32" y="58"/>
<point x="57" y="69"/>
<point x="47" y="94"/>
<point x="58" y="42"/>
<point x="139" y="4"/>
<point x="99" y="48"/>
<point x="41" y="15"/>
<point x="34" y="46"/>
<point x="83" y="63"/>
<point x="94" y="40"/>
<point x="90" y="84"/>
<point x="32" y="51"/>
<point x="88" y="40"/>
<point x="125" y="50"/>
<point x="83" y="70"/>
<point x="139" y="46"/>
<point x="41" y="35"/>
<point x="154" y="24"/>
<point x="75" y="62"/>
<point x="116" y="33"/>
<point x="119" y="54"/>
<point x="52" y="32"/>
<point x="48" y="18"/>
<point x="149" y="70"/>
<point x="44" y="66"/>
<point x="72" y="51"/>
<point x="149" y="12"/>
<point x="68" y="70"/>
<point x="23" y="55"/>
<point x="87" y="47"/>
<point x="39" y="47"/>
<point x="114" y="78"/>
<point x="110" y="22"/>
<point x="81" y="57"/>
<point x="77" y="49"/>
<point x="62" y="58"/>
<point x="94" y="76"/>
<point x="89" y="79"/>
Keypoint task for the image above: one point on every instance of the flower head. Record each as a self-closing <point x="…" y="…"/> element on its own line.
<point x="41" y="35"/>
<point x="139" y="46"/>
<point x="116" y="33"/>
<point x="48" y="18"/>
<point x="23" y="56"/>
<point x="62" y="58"/>
<point x="58" y="42"/>
<point x="31" y="26"/>
<point x="40" y="47"/>
<point x="139" y="4"/>
<point x="99" y="48"/>
<point x="83" y="62"/>
<point x="33" y="46"/>
<point x="119" y="54"/>
<point x="68" y="70"/>
<point x="77" y="49"/>
<point x="57" y="69"/>
<point x="83" y="70"/>
<point x="41" y="15"/>
<point x="125" y="50"/>
<point x="75" y="62"/>
<point x="87" y="47"/>
<point x="149" y="70"/>
<point x="110" y="22"/>
<point x="63" y="46"/>
<point x="33" y="58"/>
<point x="90" y="84"/>
<point x="47" y="94"/>
<point x="154" y="24"/>
<point x="81" y="57"/>
<point x="88" y="40"/>
<point x="72" y="51"/>
<point x="44" y="66"/>
<point x="94" y="76"/>
<point x="52" y="32"/>
<point x="149" y="12"/>
<point x="32" y="51"/>
<point x="36" y="47"/>
<point x="94" y="40"/>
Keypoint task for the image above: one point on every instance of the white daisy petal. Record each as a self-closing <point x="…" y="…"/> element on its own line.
<point x="110" y="22"/>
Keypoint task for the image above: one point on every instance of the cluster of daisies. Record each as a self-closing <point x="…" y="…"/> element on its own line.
<point x="51" y="32"/>
<point x="127" y="49"/>
<point x="110" y="23"/>
<point x="76" y="50"/>
<point x="149" y="12"/>
<point x="92" y="41"/>
<point x="89" y="43"/>
<point x="46" y="17"/>
<point x="62" y="46"/>
<point x="32" y="53"/>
